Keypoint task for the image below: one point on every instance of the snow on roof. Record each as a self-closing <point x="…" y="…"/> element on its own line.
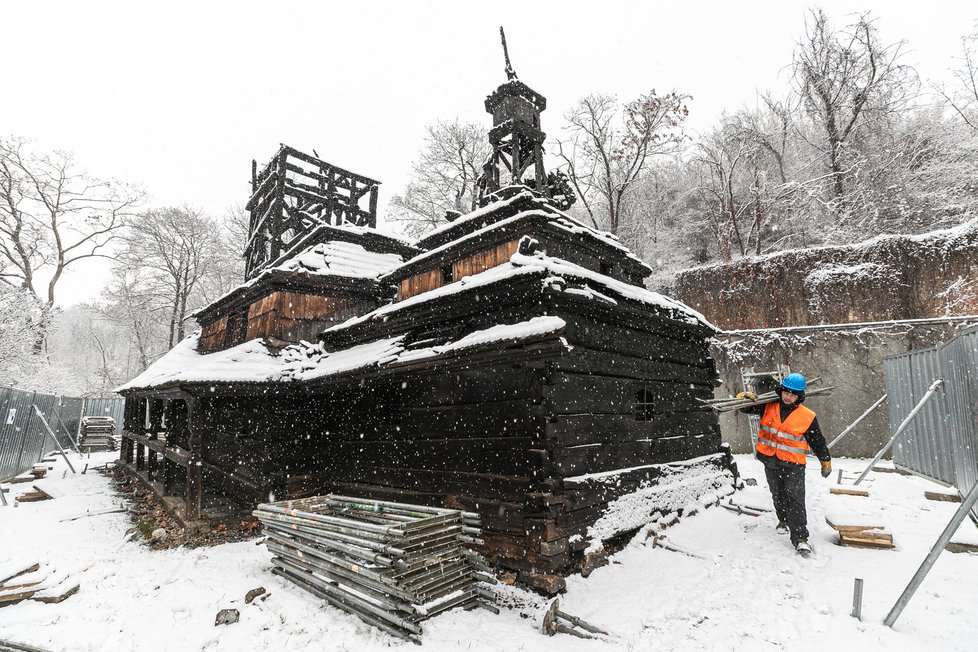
<point x="558" y="218"/>
<point x="333" y="258"/>
<point x="341" y="259"/>
<point x="253" y="362"/>
<point x="520" y="265"/>
<point x="246" y="362"/>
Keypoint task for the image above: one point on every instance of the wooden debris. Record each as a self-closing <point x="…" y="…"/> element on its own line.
<point x="254" y="593"/>
<point x="31" y="568"/>
<point x="753" y="508"/>
<point x="97" y="512"/>
<point x="48" y="489"/>
<point x="959" y="546"/>
<point x="39" y="472"/>
<point x="842" y="491"/>
<point x="32" y="497"/>
<point x="937" y="495"/>
<point x="227" y="617"/>
<point x="22" y="479"/>
<point x="861" y="536"/>
<point x="19" y="647"/>
<point x="58" y="593"/>
<point x="890" y="469"/>
<point x="551" y="624"/>
<point x="866" y="539"/>
<point x="661" y="542"/>
<point x="842" y="527"/>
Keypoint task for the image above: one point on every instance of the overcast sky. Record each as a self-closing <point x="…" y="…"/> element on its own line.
<point x="180" y="97"/>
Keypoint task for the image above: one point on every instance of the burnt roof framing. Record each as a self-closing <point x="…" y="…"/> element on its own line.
<point x="289" y="200"/>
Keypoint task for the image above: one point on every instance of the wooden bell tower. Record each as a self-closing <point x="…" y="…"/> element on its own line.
<point x="515" y="137"/>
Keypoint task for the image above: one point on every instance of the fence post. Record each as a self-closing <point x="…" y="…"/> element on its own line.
<point x="27" y="429"/>
<point x="932" y="556"/>
<point x="903" y="426"/>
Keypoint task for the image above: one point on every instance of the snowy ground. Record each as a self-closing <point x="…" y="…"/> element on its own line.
<point x="752" y="592"/>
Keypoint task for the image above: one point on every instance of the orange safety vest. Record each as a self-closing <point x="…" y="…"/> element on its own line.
<point x="784" y="440"/>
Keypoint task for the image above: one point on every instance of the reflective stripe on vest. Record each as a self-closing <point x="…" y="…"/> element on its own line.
<point x="785" y="440"/>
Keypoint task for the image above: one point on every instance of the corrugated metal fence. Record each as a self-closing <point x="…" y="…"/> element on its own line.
<point x="22" y="436"/>
<point x="942" y="441"/>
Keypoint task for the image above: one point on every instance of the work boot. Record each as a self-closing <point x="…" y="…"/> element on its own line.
<point x="803" y="548"/>
<point x="782" y="528"/>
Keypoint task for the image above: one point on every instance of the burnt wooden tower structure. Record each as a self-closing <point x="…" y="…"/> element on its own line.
<point x="510" y="362"/>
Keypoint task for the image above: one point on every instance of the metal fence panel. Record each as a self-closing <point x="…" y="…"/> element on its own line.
<point x="107" y="407"/>
<point x="942" y="441"/>
<point x="23" y="437"/>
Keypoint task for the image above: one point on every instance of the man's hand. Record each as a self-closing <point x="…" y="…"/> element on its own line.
<point x="826" y="469"/>
<point x="750" y="396"/>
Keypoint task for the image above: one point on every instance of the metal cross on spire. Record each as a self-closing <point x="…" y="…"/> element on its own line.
<point x="510" y="73"/>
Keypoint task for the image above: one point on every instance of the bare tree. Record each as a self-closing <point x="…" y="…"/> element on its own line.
<point x="844" y="78"/>
<point x="444" y="176"/>
<point x="174" y="248"/>
<point x="609" y="148"/>
<point x="52" y="216"/>
<point x="963" y="98"/>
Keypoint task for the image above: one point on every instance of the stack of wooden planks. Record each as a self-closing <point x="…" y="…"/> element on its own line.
<point x="42" y="491"/>
<point x="33" y="580"/>
<point x="391" y="564"/>
<point x="860" y="535"/>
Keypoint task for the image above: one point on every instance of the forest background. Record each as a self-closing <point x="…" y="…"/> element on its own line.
<point x="857" y="144"/>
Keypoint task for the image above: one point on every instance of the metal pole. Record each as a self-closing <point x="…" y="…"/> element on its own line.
<point x="61" y="424"/>
<point x="47" y="429"/>
<point x="857" y="421"/>
<point x="903" y="426"/>
<point x="932" y="556"/>
<point x="857" y="599"/>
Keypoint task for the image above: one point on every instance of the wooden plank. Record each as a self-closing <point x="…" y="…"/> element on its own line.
<point x="32" y="497"/>
<point x="48" y="489"/>
<point x="843" y="491"/>
<point x="58" y="593"/>
<point x="858" y="541"/>
<point x="943" y="497"/>
<point x="835" y="523"/>
<point x="23" y="569"/>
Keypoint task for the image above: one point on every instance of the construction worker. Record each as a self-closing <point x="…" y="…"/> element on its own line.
<point x="788" y="432"/>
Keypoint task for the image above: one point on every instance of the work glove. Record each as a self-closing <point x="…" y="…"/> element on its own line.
<point x="826" y="469"/>
<point x="750" y="396"/>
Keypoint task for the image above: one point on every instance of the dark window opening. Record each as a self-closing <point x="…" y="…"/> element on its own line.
<point x="643" y="404"/>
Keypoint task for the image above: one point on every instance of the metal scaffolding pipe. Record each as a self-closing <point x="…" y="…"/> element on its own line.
<point x="903" y="426"/>
<point x="932" y="556"/>
<point x="857" y="421"/>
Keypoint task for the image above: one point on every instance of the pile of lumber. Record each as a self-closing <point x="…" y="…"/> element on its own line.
<point x="97" y="433"/>
<point x="33" y="581"/>
<point x="734" y="403"/>
<point x="860" y="535"/>
<point x="42" y="491"/>
<point x="391" y="564"/>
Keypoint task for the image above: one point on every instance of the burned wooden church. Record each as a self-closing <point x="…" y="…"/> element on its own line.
<point x="510" y="362"/>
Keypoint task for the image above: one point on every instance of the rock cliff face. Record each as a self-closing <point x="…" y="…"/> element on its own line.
<point x="886" y="278"/>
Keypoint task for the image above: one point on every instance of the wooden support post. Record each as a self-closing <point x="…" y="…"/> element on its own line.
<point x="140" y="457"/>
<point x="194" y="490"/>
<point x="373" y="207"/>
<point x="152" y="463"/>
<point x="128" y="450"/>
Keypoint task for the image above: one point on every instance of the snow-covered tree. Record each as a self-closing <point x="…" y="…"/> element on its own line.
<point x="609" y="149"/>
<point x="444" y="176"/>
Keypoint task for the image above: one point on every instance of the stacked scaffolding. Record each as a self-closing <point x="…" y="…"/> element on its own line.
<point x="391" y="564"/>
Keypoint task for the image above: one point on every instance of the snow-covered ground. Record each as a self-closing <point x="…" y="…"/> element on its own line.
<point x="751" y="592"/>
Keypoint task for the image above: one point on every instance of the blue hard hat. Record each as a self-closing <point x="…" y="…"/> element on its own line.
<point x="794" y="382"/>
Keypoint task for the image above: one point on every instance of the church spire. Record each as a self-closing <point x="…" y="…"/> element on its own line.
<point x="516" y="138"/>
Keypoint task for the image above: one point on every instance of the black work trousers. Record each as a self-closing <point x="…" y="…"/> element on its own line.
<point x="787" y="484"/>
